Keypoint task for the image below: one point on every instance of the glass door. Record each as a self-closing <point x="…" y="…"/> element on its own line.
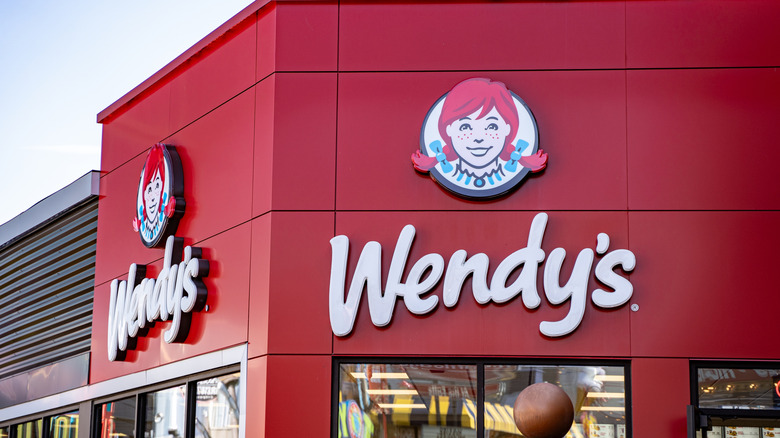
<point x="737" y="400"/>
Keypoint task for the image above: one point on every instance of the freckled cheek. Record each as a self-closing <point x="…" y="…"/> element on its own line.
<point x="465" y="136"/>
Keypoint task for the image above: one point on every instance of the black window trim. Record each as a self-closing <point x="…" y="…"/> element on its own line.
<point x="726" y="414"/>
<point x="140" y="400"/>
<point x="480" y="363"/>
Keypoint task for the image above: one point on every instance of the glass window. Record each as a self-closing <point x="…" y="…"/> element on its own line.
<point x="736" y="400"/>
<point x="407" y="400"/>
<point x="4" y="432"/>
<point x="165" y="413"/>
<point x="64" y="426"/>
<point x="739" y="388"/>
<point x="31" y="429"/>
<point x="597" y="394"/>
<point x="471" y="400"/>
<point x="216" y="407"/>
<point x="116" y="419"/>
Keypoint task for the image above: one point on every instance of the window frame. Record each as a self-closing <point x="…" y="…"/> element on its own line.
<point x="190" y="382"/>
<point x="45" y="418"/>
<point x="480" y="363"/>
<point x="726" y="414"/>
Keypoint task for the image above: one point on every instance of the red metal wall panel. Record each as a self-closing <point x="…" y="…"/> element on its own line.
<point x="703" y="139"/>
<point x="703" y="282"/>
<point x="259" y="284"/>
<point x="145" y="122"/>
<point x="297" y="322"/>
<point x="140" y="358"/>
<point x="660" y="392"/>
<point x="399" y="36"/>
<point x="469" y="328"/>
<point x="224" y="324"/>
<point x="223" y="139"/>
<point x="216" y="76"/>
<point x="295" y="142"/>
<point x="304" y="141"/>
<point x="298" y="389"/>
<point x="263" y="153"/>
<point x="217" y="171"/>
<point x="257" y="397"/>
<point x="306" y="36"/>
<point x="266" y="42"/>
<point x="289" y="264"/>
<point x="581" y="121"/>
<point x="721" y="33"/>
<point x="203" y="83"/>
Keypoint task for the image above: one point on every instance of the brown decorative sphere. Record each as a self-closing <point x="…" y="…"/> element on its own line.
<point x="543" y="410"/>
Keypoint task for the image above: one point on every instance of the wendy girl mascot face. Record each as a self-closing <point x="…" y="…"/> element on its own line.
<point x="160" y="203"/>
<point x="479" y="140"/>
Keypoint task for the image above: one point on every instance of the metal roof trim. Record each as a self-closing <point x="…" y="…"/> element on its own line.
<point x="50" y="207"/>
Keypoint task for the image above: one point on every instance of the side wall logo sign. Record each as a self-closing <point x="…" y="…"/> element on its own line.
<point x="479" y="140"/>
<point x="138" y="302"/>
<point x="160" y="203"/>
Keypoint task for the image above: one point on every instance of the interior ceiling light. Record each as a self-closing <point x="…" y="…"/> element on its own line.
<point x="606" y="395"/>
<point x="402" y="406"/>
<point x="609" y="378"/>
<point x="603" y="408"/>
<point x="391" y="392"/>
<point x="361" y="375"/>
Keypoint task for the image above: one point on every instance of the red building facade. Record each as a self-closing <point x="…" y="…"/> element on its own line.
<point x="295" y="123"/>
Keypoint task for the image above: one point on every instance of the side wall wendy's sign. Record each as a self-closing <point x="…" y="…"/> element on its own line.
<point x="138" y="302"/>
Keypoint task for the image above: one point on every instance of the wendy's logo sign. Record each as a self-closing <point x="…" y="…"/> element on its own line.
<point x="160" y="203"/>
<point x="504" y="285"/>
<point x="479" y="140"/>
<point x="178" y="290"/>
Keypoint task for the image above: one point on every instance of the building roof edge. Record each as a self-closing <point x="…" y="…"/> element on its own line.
<point x="50" y="207"/>
<point x="181" y="59"/>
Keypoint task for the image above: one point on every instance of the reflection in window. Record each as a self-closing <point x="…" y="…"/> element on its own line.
<point x="166" y="413"/>
<point x="216" y="410"/>
<point x="64" y="426"/>
<point x="4" y="432"/>
<point x="407" y="400"/>
<point x="117" y="418"/>
<point x="597" y="394"/>
<point x="739" y="388"/>
<point x="31" y="429"/>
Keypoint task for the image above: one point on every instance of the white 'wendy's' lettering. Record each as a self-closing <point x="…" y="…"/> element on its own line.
<point x="368" y="275"/>
<point x="176" y="292"/>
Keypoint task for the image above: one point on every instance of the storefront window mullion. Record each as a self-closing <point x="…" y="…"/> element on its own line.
<point x="190" y="401"/>
<point x="481" y="399"/>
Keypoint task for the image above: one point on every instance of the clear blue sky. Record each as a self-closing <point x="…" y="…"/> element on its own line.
<point x="62" y="62"/>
